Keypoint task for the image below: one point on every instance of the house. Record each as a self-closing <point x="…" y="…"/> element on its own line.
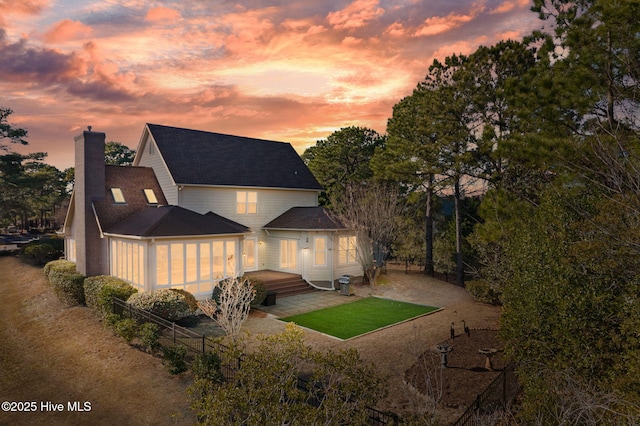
<point x="197" y="207"/>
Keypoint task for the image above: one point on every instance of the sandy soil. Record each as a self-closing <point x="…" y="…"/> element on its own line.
<point x="58" y="354"/>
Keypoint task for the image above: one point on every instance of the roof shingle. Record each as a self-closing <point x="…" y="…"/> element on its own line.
<point x="196" y="157"/>
<point x="132" y="181"/>
<point x="305" y="218"/>
<point x="173" y="221"/>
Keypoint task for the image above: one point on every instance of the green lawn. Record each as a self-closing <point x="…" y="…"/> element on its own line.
<point x="365" y="315"/>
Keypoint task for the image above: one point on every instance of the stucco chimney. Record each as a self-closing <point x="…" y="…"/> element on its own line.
<point x="91" y="250"/>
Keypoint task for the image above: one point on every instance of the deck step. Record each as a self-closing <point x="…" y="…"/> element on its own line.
<point x="284" y="288"/>
<point x="285" y="284"/>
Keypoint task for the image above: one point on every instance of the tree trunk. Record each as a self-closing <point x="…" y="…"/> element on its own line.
<point x="428" y="267"/>
<point x="459" y="264"/>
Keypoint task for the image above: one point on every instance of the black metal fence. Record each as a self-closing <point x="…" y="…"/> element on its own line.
<point x="175" y="335"/>
<point x="497" y="396"/>
<point x="195" y="343"/>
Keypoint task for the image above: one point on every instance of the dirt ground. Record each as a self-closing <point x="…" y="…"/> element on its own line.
<point x="52" y="353"/>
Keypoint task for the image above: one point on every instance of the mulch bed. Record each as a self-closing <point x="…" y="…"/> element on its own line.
<point x="465" y="376"/>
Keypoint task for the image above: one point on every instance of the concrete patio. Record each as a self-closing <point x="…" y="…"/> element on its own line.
<point x="301" y="303"/>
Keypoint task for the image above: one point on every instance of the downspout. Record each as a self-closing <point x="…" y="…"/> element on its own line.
<point x="333" y="287"/>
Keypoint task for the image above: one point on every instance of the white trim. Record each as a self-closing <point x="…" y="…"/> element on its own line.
<point x="176" y="237"/>
<point x="246" y="187"/>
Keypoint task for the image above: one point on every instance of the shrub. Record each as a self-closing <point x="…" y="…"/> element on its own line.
<point x="38" y="253"/>
<point x="207" y="366"/>
<point x="110" y="320"/>
<point x="126" y="328"/>
<point x="484" y="292"/>
<point x="260" y="289"/>
<point x="66" y="282"/>
<point x="149" y="334"/>
<point x="174" y="359"/>
<point x="58" y="266"/>
<point x="99" y="292"/>
<point x="188" y="297"/>
<point x="168" y="304"/>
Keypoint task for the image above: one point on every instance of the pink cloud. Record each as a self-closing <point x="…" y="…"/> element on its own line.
<point x="67" y="30"/>
<point x="442" y="24"/>
<point x="355" y="15"/>
<point x="157" y="14"/>
<point x="462" y="47"/>
<point x="316" y="29"/>
<point x="396" y="30"/>
<point x="351" y="41"/>
<point x="508" y="6"/>
<point x="25" y="7"/>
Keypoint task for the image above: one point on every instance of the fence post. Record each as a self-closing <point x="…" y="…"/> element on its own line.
<point x="173" y="329"/>
<point x="504" y="389"/>
<point x="203" y="344"/>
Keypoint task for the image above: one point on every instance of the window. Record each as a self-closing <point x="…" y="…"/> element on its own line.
<point x="193" y="264"/>
<point x="250" y="261"/>
<point x="128" y="261"/>
<point x="346" y="250"/>
<point x="205" y="261"/>
<point x="118" y="196"/>
<point x="151" y="196"/>
<point x="247" y="202"/>
<point x="319" y="251"/>
<point x="288" y="254"/>
<point x="71" y="249"/>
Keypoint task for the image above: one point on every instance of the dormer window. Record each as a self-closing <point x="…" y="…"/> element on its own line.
<point x="247" y="202"/>
<point x="118" y="196"/>
<point x="151" y="196"/>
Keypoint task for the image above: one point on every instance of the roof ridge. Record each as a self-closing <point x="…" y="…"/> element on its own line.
<point x="218" y="133"/>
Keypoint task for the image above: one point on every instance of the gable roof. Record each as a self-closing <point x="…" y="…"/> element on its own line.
<point x="305" y="218"/>
<point x="196" y="157"/>
<point x="132" y="181"/>
<point x="174" y="221"/>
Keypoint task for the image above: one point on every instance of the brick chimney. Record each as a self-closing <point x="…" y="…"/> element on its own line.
<point x="91" y="249"/>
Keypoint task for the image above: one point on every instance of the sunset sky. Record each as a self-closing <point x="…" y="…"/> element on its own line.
<point x="287" y="70"/>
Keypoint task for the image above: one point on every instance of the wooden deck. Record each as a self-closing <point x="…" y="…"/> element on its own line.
<point x="283" y="283"/>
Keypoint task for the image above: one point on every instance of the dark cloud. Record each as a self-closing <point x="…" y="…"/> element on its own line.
<point x="23" y="63"/>
<point x="98" y="90"/>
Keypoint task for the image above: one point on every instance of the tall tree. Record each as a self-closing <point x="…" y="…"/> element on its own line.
<point x="14" y="134"/>
<point x="568" y="261"/>
<point x="343" y="158"/>
<point x="118" y="154"/>
<point x="455" y="129"/>
<point x="411" y="156"/>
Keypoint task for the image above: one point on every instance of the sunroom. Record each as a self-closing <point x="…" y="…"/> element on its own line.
<point x="171" y="247"/>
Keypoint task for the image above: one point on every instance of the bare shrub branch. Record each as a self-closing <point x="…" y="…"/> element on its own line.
<point x="372" y="211"/>
<point x="231" y="307"/>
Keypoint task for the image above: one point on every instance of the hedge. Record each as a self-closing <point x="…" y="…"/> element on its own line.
<point x="66" y="282"/>
<point x="41" y="251"/>
<point x="58" y="266"/>
<point x="166" y="303"/>
<point x="99" y="292"/>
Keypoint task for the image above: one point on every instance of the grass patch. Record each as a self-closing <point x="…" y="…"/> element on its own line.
<point x="360" y="317"/>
